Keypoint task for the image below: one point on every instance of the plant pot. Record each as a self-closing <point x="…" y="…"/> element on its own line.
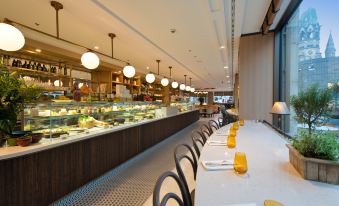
<point x="36" y="137"/>
<point x="23" y="142"/>
<point x="11" y="142"/>
<point x="314" y="169"/>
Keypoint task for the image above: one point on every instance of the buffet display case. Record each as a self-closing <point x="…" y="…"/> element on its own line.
<point x="183" y="106"/>
<point x="64" y="119"/>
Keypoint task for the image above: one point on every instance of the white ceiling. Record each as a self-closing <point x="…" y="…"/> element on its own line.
<point x="143" y="32"/>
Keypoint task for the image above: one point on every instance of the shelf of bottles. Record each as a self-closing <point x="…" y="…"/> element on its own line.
<point x="49" y="76"/>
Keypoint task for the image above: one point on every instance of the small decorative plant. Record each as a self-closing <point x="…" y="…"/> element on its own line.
<point x="312" y="108"/>
<point x="14" y="93"/>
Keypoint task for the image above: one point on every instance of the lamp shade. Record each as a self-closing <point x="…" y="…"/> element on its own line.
<point x="175" y="85"/>
<point x="58" y="83"/>
<point x="11" y="38"/>
<point x="182" y="87"/>
<point x="164" y="81"/>
<point x="129" y="71"/>
<point x="90" y="60"/>
<point x="280" y="108"/>
<point x="192" y="89"/>
<point x="150" y="78"/>
<point x="188" y="88"/>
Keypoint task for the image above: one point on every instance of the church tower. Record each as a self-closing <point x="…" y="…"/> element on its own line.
<point x="309" y="36"/>
<point x="330" y="48"/>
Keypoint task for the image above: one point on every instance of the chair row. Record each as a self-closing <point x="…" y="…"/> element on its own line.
<point x="191" y="155"/>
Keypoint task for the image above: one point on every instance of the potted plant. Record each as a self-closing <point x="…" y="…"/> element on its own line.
<point x="314" y="154"/>
<point x="14" y="93"/>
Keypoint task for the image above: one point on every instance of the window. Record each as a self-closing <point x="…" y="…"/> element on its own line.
<point x="308" y="55"/>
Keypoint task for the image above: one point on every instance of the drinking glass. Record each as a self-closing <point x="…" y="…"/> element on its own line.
<point x="241" y="122"/>
<point x="240" y="162"/>
<point x="233" y="132"/>
<point x="231" y="141"/>
<point x="235" y="125"/>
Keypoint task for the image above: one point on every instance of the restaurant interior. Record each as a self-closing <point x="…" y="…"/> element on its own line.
<point x="169" y="102"/>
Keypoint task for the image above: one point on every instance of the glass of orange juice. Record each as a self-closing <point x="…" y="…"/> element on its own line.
<point x="235" y="125"/>
<point x="241" y="122"/>
<point x="240" y="162"/>
<point x="233" y="132"/>
<point x="231" y="143"/>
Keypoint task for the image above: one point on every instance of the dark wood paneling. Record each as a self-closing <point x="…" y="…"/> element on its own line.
<point x="43" y="177"/>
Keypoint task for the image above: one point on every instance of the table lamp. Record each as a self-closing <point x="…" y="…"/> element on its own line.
<point x="280" y="108"/>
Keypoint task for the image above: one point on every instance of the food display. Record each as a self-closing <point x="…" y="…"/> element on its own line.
<point x="64" y="119"/>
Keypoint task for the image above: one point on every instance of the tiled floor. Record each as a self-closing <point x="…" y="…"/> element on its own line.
<point x="132" y="182"/>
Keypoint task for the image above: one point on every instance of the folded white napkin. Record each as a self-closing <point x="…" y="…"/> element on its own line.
<point x="216" y="143"/>
<point x="217" y="164"/>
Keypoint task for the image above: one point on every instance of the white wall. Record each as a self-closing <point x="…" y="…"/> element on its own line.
<point x="256" y="77"/>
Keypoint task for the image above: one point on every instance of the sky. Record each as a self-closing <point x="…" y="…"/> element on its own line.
<point x="328" y="17"/>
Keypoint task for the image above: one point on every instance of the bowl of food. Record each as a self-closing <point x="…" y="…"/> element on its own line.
<point x="24" y="141"/>
<point x="36" y="137"/>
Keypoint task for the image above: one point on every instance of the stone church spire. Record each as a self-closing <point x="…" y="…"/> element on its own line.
<point x="330" y="48"/>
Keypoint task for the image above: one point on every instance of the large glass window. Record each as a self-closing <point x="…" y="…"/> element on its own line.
<point x="308" y="55"/>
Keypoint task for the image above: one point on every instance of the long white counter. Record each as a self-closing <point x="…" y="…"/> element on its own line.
<point x="269" y="176"/>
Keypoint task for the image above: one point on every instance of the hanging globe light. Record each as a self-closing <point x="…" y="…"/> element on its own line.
<point x="129" y="71"/>
<point x="58" y="83"/>
<point x="188" y="88"/>
<point x="192" y="89"/>
<point x="175" y="85"/>
<point x="90" y="60"/>
<point x="164" y="82"/>
<point x="150" y="78"/>
<point x="11" y="38"/>
<point x="182" y="87"/>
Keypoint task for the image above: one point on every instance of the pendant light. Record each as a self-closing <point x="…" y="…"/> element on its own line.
<point x="150" y="78"/>
<point x="175" y="85"/>
<point x="164" y="81"/>
<point x="188" y="87"/>
<point x="183" y="86"/>
<point x="129" y="71"/>
<point x="90" y="60"/>
<point x="192" y="89"/>
<point x="11" y="38"/>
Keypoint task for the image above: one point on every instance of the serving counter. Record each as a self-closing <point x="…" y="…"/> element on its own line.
<point x="44" y="172"/>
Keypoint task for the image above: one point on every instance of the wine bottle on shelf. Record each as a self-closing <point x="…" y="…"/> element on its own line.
<point x="38" y="67"/>
<point x="19" y="64"/>
<point x="24" y="65"/>
<point x="44" y="69"/>
<point x="14" y="63"/>
<point x="33" y="67"/>
<point x="28" y="66"/>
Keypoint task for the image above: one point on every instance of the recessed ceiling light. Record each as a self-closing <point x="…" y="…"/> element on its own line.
<point x="222" y="47"/>
<point x="225" y="67"/>
<point x="29" y="51"/>
<point x="227" y="76"/>
<point x="147" y="68"/>
<point x="96" y="47"/>
<point x="38" y="50"/>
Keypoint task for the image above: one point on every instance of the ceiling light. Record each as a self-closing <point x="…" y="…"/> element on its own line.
<point x="182" y="87"/>
<point x="11" y="38"/>
<point x="188" y="88"/>
<point x="96" y="47"/>
<point x="147" y="68"/>
<point x="129" y="71"/>
<point x="225" y="67"/>
<point x="150" y="78"/>
<point x="192" y="89"/>
<point x="80" y="85"/>
<point x="164" y="82"/>
<point x="227" y="76"/>
<point x="175" y="85"/>
<point x="58" y="83"/>
<point x="222" y="47"/>
<point x="90" y="60"/>
<point x="38" y="50"/>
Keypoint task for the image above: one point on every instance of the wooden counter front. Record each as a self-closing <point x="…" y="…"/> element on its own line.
<point x="43" y="177"/>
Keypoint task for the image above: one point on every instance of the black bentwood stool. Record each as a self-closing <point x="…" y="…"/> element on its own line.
<point x="213" y="125"/>
<point x="185" y="201"/>
<point x="198" y="142"/>
<point x="182" y="152"/>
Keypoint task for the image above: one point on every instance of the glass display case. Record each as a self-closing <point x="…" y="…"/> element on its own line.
<point x="183" y="106"/>
<point x="64" y="119"/>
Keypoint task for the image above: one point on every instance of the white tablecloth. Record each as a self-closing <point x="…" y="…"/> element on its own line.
<point x="269" y="176"/>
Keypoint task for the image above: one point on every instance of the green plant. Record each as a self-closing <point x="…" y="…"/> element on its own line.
<point x="311" y="106"/>
<point x="14" y="93"/>
<point x="320" y="145"/>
